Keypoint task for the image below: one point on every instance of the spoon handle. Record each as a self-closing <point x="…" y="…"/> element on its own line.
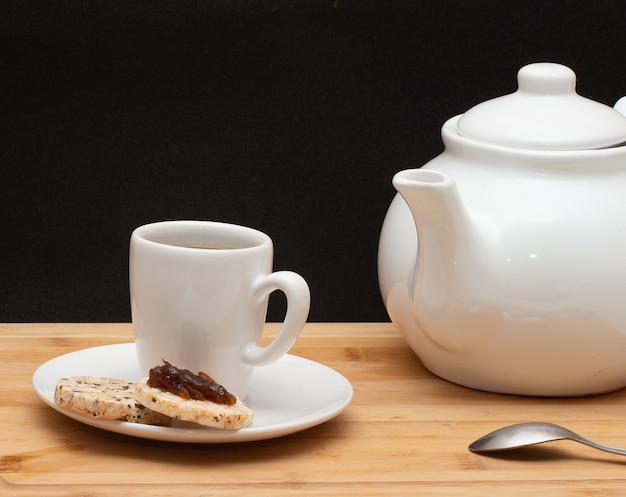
<point x="595" y="445"/>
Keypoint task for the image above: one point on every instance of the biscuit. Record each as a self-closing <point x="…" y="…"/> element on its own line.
<point x="105" y="398"/>
<point x="203" y="412"/>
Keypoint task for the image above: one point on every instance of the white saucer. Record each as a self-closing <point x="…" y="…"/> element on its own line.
<point x="291" y="395"/>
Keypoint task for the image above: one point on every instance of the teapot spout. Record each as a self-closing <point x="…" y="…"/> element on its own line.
<point x="448" y="255"/>
<point x="436" y="206"/>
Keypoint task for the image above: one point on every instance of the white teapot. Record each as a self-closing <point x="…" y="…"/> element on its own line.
<point x="519" y="283"/>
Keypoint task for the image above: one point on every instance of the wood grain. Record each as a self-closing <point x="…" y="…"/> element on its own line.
<point x="406" y="432"/>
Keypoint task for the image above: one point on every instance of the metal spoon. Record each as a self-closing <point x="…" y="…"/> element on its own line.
<point x="523" y="434"/>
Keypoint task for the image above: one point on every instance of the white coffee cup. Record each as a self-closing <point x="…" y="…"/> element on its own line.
<point x="199" y="293"/>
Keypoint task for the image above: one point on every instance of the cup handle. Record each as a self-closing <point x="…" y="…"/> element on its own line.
<point x="298" y="297"/>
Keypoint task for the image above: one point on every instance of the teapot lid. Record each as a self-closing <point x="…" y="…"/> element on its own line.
<point x="545" y="113"/>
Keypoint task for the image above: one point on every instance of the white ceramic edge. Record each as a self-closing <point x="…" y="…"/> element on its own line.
<point x="205" y="435"/>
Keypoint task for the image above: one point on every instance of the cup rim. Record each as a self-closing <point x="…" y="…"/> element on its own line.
<point x="176" y="234"/>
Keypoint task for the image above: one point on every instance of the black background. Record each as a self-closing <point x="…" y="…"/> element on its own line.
<point x="287" y="116"/>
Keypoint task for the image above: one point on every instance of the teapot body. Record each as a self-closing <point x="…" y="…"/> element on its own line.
<point x="528" y="298"/>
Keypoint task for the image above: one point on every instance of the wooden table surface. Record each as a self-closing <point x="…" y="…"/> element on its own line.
<point x="405" y="433"/>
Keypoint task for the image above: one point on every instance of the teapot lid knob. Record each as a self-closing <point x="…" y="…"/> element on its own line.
<point x="546" y="79"/>
<point x="545" y="113"/>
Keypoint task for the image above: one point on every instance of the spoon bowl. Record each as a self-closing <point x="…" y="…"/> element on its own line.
<point x="524" y="434"/>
